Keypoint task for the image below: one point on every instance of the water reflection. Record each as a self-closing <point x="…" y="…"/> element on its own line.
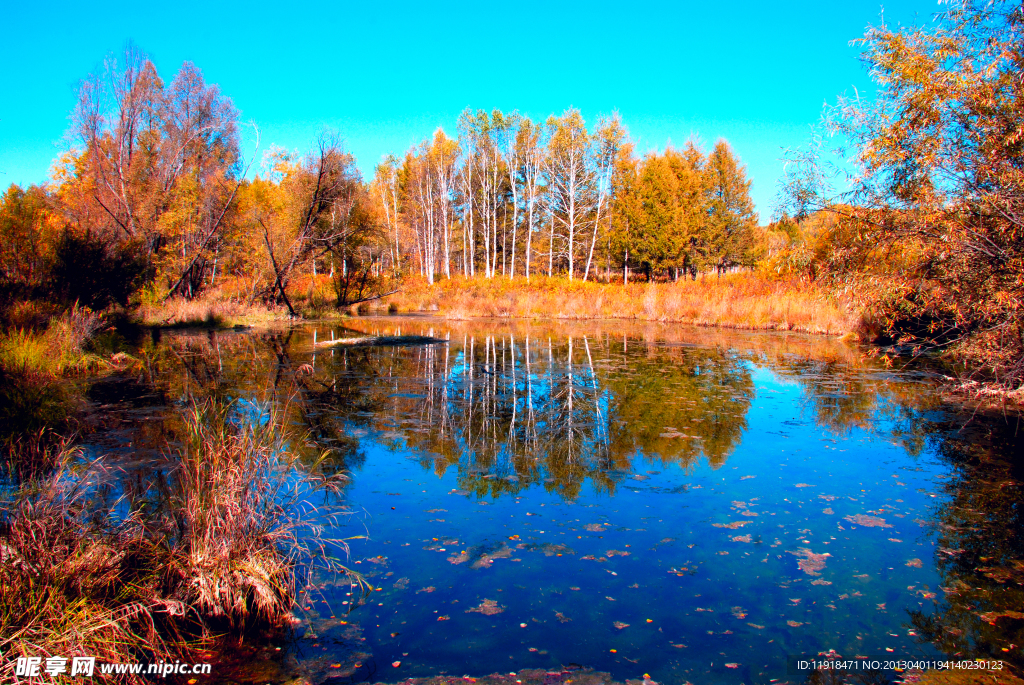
<point x="980" y="536"/>
<point x="508" y="412"/>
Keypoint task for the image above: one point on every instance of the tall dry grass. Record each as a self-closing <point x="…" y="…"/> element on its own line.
<point x="243" y="537"/>
<point x="225" y="552"/>
<point x="70" y="581"/>
<point x="743" y="300"/>
<point x="211" y="310"/>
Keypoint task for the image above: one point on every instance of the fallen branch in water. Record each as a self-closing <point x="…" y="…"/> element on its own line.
<point x="383" y="341"/>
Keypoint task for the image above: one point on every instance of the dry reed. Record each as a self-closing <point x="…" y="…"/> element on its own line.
<point x="225" y="553"/>
<point x="241" y="535"/>
<point x="748" y="301"/>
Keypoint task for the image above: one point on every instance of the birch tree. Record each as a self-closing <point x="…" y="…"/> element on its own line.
<point x="572" y="191"/>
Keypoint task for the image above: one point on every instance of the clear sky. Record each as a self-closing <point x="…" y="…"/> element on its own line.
<point x="387" y="74"/>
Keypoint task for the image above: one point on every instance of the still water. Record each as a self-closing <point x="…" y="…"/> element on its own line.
<point x="694" y="505"/>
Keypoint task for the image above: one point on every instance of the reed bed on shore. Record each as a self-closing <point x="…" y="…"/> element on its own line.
<point x="745" y="300"/>
<point x="212" y="310"/>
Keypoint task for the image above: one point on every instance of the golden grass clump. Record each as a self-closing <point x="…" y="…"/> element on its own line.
<point x="58" y="350"/>
<point x="224" y="552"/>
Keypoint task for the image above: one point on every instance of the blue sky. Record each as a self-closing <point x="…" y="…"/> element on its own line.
<point x="385" y="75"/>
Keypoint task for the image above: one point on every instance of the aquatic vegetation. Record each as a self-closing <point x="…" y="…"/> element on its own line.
<point x="75" y="582"/>
<point x="238" y="541"/>
<point x="488" y="607"/>
<point x="231" y="546"/>
<point x="867" y="521"/>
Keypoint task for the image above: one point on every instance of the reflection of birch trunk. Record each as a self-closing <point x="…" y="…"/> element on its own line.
<point x="531" y="422"/>
<point x="601" y="427"/>
<point x="569" y="394"/>
<point x="515" y="399"/>
<point x="470" y="362"/>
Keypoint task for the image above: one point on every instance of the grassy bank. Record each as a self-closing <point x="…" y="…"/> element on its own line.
<point x="745" y="300"/>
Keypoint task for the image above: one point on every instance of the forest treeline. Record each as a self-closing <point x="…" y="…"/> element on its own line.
<point x="156" y="194"/>
<point x="918" y="218"/>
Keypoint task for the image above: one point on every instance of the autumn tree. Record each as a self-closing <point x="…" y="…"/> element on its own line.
<point x="307" y="214"/>
<point x="158" y="166"/>
<point x="27" y="235"/>
<point x="935" y="207"/>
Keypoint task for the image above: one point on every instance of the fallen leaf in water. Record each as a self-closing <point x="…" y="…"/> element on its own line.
<point x="396" y="664"/>
<point x="820" y="581"/>
<point x="746" y="477"/>
<point x="827" y="510"/>
<point x="610" y="599"/>
<point x="733" y="526"/>
<point x="738" y="612"/>
<point x="993" y="616"/>
<point x="574" y="588"/>
<point x="620" y="625"/>
<point x="594" y="527"/>
<point x="460" y="558"/>
<point x="562" y="618"/>
<point x="488" y="607"/>
<point x="430" y="588"/>
<point x="868" y="521"/>
<point x="915" y="563"/>
<point x="522" y="625"/>
<point x="895" y="540"/>
<point x="794" y="624"/>
<point x="732" y="665"/>
<point x="615" y="553"/>
<point x="754" y="625"/>
<point x="444" y="618"/>
<point x="803" y="485"/>
<point x="741" y="538"/>
<point x="810" y="563"/>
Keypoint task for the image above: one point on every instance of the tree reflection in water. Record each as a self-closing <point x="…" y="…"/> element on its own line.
<point x="511" y="412"/>
<point x="980" y="541"/>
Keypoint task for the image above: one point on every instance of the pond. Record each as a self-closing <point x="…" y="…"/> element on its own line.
<point x="696" y="505"/>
